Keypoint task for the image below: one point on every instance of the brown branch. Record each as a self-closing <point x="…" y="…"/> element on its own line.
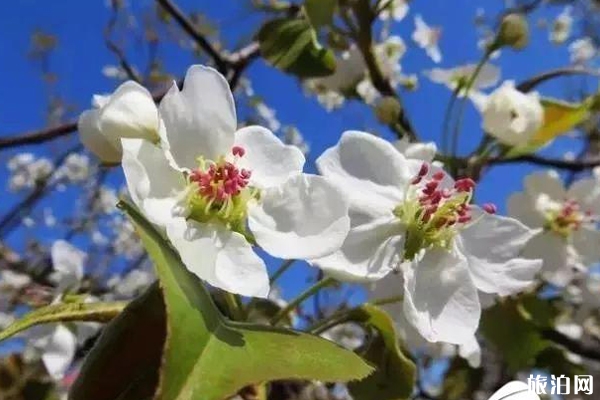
<point x="188" y="26"/>
<point x="574" y="346"/>
<point x="548" y="162"/>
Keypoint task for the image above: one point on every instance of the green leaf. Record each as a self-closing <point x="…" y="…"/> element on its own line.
<point x="125" y="360"/>
<point x="396" y="374"/>
<point x="291" y="45"/>
<point x="209" y="357"/>
<point x="559" y="118"/>
<point x="64" y="312"/>
<point x="513" y="333"/>
<point x="320" y="12"/>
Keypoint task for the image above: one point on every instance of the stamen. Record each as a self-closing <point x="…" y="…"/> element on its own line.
<point x="489" y="208"/>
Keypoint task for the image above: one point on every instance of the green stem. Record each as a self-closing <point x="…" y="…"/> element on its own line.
<point x="327" y="323"/>
<point x="303" y="296"/>
<point x="281" y="270"/>
<point x="234" y="304"/>
<point x="387" y="300"/>
<point x="461" y="111"/>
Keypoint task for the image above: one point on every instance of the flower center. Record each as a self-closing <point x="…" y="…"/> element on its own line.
<point x="567" y="218"/>
<point x="433" y="214"/>
<point x="220" y="191"/>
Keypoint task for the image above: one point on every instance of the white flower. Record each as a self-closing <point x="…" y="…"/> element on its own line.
<point x="416" y="151"/>
<point x="388" y="288"/>
<point x="427" y="38"/>
<point x="14" y="280"/>
<point x="128" y="113"/>
<point x="511" y="116"/>
<point x="459" y="76"/>
<point x="367" y="91"/>
<point x="411" y="218"/>
<point x="67" y="264"/>
<point x="75" y="169"/>
<point x="582" y="50"/>
<point x="131" y="284"/>
<point x="216" y="191"/>
<point x="561" y="29"/>
<point x="395" y="9"/>
<point x="27" y="171"/>
<point x="515" y="390"/>
<point x="348" y="335"/>
<point x="568" y="238"/>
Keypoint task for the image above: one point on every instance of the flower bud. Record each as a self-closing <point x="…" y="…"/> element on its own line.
<point x="511" y="116"/>
<point x="129" y="112"/>
<point x="514" y="32"/>
<point x="388" y="110"/>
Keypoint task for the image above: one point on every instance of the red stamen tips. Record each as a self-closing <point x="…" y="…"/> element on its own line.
<point x="489" y="208"/>
<point x="238" y="151"/>
<point x="438" y="176"/>
<point x="464" y="185"/>
<point x="424" y="170"/>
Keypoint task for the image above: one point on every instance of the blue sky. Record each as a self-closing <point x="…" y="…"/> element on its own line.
<point x="82" y="53"/>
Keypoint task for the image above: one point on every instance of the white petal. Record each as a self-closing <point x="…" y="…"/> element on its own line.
<point x="586" y="241"/>
<point x="515" y="390"/>
<point x="492" y="245"/>
<point x="370" y="252"/>
<point x="587" y="192"/>
<point x="369" y="170"/>
<point x="306" y="217"/>
<point x="67" y="261"/>
<point x="59" y="352"/>
<point x="221" y="257"/>
<point x="547" y="182"/>
<point x="471" y="351"/>
<point x="520" y="206"/>
<point x="130" y="112"/>
<point x="92" y="138"/>
<point x="553" y="250"/>
<point x="200" y="120"/>
<point x="270" y="160"/>
<point x="417" y="151"/>
<point x="153" y="184"/>
<point x="440" y="299"/>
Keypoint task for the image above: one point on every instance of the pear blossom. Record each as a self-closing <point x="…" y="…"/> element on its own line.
<point x="456" y="77"/>
<point x="67" y="264"/>
<point x="75" y="169"/>
<point x="129" y="112"/>
<point x="511" y="116"/>
<point x="27" y="170"/>
<point x="348" y="335"/>
<point x="410" y="218"/>
<point x="388" y="288"/>
<point x="515" y="390"/>
<point x="562" y="26"/>
<point x="218" y="191"/>
<point x="427" y="38"/>
<point x="131" y="284"/>
<point x="567" y="237"/>
<point x="394" y="9"/>
<point x="582" y="50"/>
<point x="416" y="150"/>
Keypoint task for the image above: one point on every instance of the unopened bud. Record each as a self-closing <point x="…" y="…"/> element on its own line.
<point x="514" y="32"/>
<point x="388" y="110"/>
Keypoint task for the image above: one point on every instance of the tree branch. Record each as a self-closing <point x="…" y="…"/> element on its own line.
<point x="188" y="26"/>
<point x="575" y="166"/>
<point x="574" y="346"/>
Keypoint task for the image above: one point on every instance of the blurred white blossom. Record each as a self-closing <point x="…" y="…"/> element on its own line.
<point x="427" y="38"/>
<point x="27" y="170"/>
